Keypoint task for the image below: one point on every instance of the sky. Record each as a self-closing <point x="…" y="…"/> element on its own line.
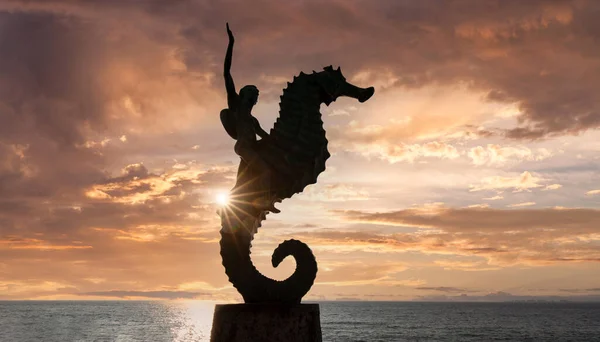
<point x="473" y="172"/>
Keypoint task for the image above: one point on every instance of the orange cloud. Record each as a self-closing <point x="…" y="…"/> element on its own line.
<point x="494" y="154"/>
<point x="504" y="237"/>
<point x="523" y="182"/>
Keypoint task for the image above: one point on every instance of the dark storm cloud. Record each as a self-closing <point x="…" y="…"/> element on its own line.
<point x="540" y="54"/>
<point x="64" y="77"/>
<point x="47" y="96"/>
<point x="47" y="71"/>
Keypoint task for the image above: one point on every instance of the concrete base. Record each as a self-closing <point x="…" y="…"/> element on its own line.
<point x="266" y="322"/>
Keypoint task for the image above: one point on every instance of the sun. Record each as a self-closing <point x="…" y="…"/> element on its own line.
<point x="222" y="199"/>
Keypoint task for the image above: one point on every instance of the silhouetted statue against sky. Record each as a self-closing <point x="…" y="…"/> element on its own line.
<point x="274" y="168"/>
<point x="243" y="127"/>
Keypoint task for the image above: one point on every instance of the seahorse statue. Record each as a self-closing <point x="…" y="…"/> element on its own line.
<point x="295" y="152"/>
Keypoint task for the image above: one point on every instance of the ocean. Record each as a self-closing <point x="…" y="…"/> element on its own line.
<point x="186" y="321"/>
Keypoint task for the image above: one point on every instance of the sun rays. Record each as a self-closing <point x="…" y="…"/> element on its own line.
<point x="222" y="199"/>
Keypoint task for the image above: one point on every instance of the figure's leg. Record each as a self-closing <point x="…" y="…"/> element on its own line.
<point x="263" y="170"/>
<point x="248" y="153"/>
<point x="254" y="161"/>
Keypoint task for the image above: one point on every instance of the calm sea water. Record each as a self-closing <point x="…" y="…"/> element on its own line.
<point x="340" y="321"/>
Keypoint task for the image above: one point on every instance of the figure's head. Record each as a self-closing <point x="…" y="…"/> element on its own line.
<point x="333" y="85"/>
<point x="249" y="95"/>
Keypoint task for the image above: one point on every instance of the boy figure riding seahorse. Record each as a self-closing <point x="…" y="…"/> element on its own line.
<point x="239" y="123"/>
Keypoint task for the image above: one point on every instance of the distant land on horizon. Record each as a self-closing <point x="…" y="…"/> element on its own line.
<point x="498" y="297"/>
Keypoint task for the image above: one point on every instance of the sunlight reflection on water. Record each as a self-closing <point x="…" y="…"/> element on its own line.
<point x="186" y="321"/>
<point x="122" y="321"/>
<point x="192" y="320"/>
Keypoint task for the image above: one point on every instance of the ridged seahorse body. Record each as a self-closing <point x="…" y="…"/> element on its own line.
<point x="296" y="152"/>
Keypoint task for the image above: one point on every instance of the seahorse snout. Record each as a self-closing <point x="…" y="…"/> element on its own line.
<point x="366" y="94"/>
<point x="361" y="94"/>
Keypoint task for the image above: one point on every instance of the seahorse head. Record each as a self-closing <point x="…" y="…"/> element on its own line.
<point x="333" y="84"/>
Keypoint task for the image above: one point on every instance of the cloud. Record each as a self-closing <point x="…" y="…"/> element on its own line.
<point x="483" y="205"/>
<point x="115" y="238"/>
<point x="465" y="219"/>
<point x="580" y="290"/>
<point x="147" y="294"/>
<point x="501" y="296"/>
<point x="552" y="187"/>
<point x="383" y="274"/>
<point x="462" y="265"/>
<point x="535" y="54"/>
<point x="503" y="237"/>
<point x="442" y="289"/>
<point x="337" y="192"/>
<point x="137" y="185"/>
<point x="391" y="152"/>
<point x="357" y="273"/>
<point x="497" y="155"/>
<point x="523" y="204"/>
<point x="523" y="182"/>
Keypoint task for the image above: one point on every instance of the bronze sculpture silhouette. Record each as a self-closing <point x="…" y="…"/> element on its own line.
<point x="274" y="168"/>
<point x="243" y="127"/>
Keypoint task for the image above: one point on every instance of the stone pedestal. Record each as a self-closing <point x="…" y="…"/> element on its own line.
<point x="266" y="322"/>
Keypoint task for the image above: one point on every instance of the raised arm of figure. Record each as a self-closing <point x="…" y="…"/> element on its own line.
<point x="232" y="96"/>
